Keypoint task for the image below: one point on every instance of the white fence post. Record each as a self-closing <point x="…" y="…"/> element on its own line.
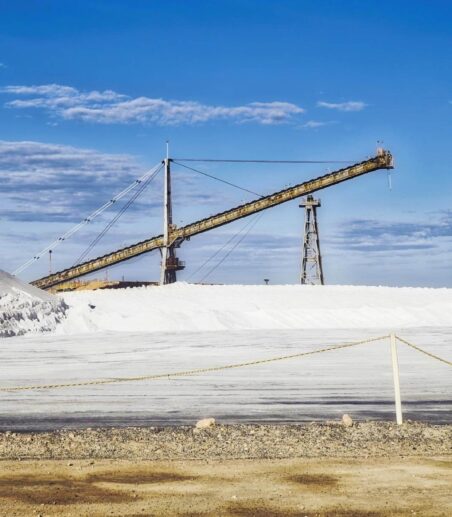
<point x="395" y="373"/>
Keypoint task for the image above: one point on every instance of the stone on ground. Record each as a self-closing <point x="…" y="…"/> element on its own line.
<point x="205" y="423"/>
<point x="347" y="420"/>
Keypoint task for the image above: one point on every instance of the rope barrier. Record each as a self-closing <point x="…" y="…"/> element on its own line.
<point x="188" y="373"/>
<point x="445" y="361"/>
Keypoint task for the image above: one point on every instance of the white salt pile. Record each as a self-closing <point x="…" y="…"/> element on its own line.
<point x="183" y="307"/>
<point x="25" y="309"/>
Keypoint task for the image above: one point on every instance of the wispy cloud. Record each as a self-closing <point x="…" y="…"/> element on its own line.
<point x="2" y="65"/>
<point x="368" y="235"/>
<point x="50" y="182"/>
<point x="109" y="107"/>
<point x="314" y="124"/>
<point x="56" y="183"/>
<point x="343" y="106"/>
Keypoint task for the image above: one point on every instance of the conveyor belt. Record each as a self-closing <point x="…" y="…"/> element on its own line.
<point x="383" y="160"/>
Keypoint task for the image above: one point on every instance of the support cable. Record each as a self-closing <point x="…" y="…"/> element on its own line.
<point x="87" y="220"/>
<point x="111" y="223"/>
<point x="259" y="216"/>
<point x="218" y="179"/>
<point x="212" y="160"/>
<point x="219" y="250"/>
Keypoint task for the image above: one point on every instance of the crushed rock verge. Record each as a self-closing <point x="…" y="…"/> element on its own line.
<point x="241" y="441"/>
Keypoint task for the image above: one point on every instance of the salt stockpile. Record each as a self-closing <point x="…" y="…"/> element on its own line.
<point x="185" y="307"/>
<point x="25" y="309"/>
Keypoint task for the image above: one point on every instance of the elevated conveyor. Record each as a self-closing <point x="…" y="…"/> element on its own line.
<point x="383" y="160"/>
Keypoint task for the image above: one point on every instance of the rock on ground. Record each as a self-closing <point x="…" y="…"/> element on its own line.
<point x="205" y="423"/>
<point x="347" y="420"/>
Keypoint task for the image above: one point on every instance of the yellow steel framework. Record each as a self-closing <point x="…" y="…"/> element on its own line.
<point x="383" y="160"/>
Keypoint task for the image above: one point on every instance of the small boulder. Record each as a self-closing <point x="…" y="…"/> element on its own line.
<point x="205" y="423"/>
<point x="347" y="420"/>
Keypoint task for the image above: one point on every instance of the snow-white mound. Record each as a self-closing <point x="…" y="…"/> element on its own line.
<point x="25" y="309"/>
<point x="184" y="307"/>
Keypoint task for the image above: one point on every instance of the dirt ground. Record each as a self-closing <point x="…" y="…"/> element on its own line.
<point x="288" y="487"/>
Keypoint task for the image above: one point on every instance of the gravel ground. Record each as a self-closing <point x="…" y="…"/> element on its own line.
<point x="334" y="440"/>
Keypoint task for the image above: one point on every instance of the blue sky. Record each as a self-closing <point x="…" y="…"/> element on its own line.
<point x="90" y="91"/>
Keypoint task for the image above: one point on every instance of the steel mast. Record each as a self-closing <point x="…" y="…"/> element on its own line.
<point x="170" y="263"/>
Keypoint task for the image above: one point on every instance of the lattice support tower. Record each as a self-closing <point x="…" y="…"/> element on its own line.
<point x="170" y="263"/>
<point x="311" y="263"/>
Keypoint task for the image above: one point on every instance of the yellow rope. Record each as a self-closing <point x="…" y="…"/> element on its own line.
<point x="186" y="373"/>
<point x="445" y="361"/>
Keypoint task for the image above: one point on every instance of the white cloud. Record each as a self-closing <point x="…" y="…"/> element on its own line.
<point x="46" y="89"/>
<point x="108" y="107"/>
<point x="343" y="106"/>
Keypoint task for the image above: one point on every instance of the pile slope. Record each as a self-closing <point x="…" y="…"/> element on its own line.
<point x="25" y="309"/>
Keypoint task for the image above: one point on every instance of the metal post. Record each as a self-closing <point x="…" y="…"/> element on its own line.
<point x="395" y="373"/>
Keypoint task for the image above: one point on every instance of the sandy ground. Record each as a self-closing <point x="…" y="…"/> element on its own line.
<point x="303" y="486"/>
